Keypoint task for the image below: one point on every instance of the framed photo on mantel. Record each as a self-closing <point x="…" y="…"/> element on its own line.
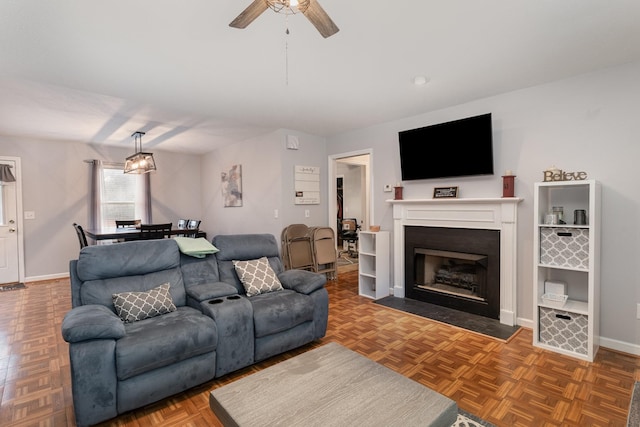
<point x="445" y="192"/>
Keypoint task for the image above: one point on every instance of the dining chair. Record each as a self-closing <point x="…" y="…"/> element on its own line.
<point x="155" y="231"/>
<point x="182" y="225"/>
<point x="124" y="223"/>
<point x="193" y="226"/>
<point x="82" y="238"/>
<point x="127" y="223"/>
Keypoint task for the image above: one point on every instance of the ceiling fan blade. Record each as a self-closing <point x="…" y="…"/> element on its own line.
<point x="319" y="18"/>
<point x="248" y="15"/>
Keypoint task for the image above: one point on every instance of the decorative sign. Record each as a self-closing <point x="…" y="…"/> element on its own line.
<point x="555" y="174"/>
<point x="307" y="185"/>
<point x="445" y="192"/>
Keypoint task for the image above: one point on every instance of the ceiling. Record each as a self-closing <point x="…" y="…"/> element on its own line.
<point x="97" y="71"/>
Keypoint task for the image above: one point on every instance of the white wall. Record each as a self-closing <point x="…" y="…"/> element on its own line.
<point x="267" y="185"/>
<point x="312" y="152"/>
<point x="587" y="123"/>
<point x="55" y="185"/>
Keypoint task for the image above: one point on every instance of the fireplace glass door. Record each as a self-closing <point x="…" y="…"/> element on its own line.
<point x="454" y="267"/>
<point x="455" y="273"/>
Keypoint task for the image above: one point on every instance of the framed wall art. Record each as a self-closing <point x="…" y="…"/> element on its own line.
<point x="232" y="186"/>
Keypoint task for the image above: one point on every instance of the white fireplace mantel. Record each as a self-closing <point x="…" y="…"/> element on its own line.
<point x="479" y="213"/>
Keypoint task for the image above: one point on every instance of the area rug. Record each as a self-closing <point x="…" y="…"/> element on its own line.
<point x="346" y="263"/>
<point x="634" y="407"/>
<point x="12" y="287"/>
<point x="471" y="322"/>
<point x="466" y="419"/>
<point x="345" y="259"/>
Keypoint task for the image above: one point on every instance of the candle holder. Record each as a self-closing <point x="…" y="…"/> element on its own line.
<point x="508" y="183"/>
<point x="398" y="193"/>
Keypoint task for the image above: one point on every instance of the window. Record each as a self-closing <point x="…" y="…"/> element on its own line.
<point x="115" y="195"/>
<point x="118" y="195"/>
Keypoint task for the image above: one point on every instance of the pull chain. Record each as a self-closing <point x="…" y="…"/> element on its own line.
<point x="286" y="51"/>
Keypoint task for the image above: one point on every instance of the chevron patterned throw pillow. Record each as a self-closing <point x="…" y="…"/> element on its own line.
<point x="134" y="306"/>
<point x="257" y="276"/>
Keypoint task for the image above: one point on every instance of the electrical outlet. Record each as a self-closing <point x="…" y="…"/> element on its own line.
<point x="275" y="213"/>
<point x="29" y="215"/>
<point x="388" y="188"/>
<point x="307" y="214"/>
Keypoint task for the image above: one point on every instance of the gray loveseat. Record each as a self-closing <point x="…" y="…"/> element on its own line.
<point x="213" y="329"/>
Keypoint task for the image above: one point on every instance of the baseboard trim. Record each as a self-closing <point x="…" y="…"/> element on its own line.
<point x="525" y="323"/>
<point x="622" y="346"/>
<point x="46" y="277"/>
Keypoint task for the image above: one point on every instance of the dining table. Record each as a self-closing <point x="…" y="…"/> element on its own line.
<point x="132" y="233"/>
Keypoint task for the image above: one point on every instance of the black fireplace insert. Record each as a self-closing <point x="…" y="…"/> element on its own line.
<point x="454" y="267"/>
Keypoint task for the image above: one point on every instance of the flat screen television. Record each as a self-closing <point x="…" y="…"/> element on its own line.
<point x="453" y="149"/>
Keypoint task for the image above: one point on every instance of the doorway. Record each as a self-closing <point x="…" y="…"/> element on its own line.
<point x="350" y="189"/>
<point x="11" y="236"/>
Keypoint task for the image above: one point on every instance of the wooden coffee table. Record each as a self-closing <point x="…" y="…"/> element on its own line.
<point x="330" y="386"/>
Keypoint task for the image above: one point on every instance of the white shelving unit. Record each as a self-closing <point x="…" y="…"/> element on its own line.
<point x="570" y="254"/>
<point x="373" y="264"/>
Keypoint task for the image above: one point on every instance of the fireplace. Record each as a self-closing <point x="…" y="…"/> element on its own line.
<point x="454" y="267"/>
<point x="498" y="216"/>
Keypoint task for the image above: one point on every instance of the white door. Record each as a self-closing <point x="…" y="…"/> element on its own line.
<point x="9" y="258"/>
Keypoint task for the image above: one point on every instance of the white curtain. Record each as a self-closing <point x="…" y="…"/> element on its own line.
<point x="143" y="198"/>
<point x="95" y="195"/>
<point x="5" y="174"/>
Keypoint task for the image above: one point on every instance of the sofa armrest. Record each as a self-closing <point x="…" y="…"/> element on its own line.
<point x="92" y="321"/>
<point x="302" y="281"/>
<point x="204" y="291"/>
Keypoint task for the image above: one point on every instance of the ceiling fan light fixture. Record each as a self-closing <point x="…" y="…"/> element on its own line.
<point x="139" y="162"/>
<point x="311" y="9"/>
<point x="288" y="7"/>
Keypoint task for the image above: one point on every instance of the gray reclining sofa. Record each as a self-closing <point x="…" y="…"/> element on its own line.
<point x="210" y="327"/>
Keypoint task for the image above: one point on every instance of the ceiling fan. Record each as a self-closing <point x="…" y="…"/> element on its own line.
<point x="309" y="8"/>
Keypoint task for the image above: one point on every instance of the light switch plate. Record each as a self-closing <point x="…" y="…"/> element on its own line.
<point x="29" y="215"/>
<point x="388" y="188"/>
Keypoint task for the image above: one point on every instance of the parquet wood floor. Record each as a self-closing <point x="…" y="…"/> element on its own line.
<point x="508" y="384"/>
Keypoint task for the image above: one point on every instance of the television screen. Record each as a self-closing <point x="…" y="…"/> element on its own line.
<point x="459" y="148"/>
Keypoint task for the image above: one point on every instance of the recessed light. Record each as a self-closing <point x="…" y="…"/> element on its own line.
<point x="420" y="80"/>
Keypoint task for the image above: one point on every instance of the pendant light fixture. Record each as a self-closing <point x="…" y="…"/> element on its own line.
<point x="139" y="162"/>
